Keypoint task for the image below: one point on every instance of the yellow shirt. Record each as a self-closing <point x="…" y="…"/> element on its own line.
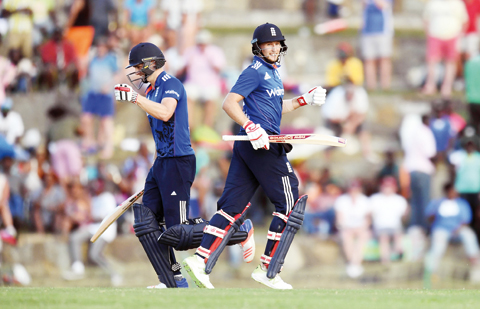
<point x="353" y="69"/>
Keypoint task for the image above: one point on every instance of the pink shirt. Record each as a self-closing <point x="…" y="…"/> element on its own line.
<point x="203" y="68"/>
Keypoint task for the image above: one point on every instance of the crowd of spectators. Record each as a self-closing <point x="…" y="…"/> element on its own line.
<point x="65" y="182"/>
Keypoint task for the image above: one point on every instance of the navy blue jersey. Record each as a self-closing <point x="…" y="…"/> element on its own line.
<point x="172" y="137"/>
<point x="261" y="86"/>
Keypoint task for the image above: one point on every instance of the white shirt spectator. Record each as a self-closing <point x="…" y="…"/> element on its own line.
<point x="338" y="108"/>
<point x="419" y="148"/>
<point x="102" y="206"/>
<point x="445" y="18"/>
<point x="354" y="213"/>
<point x="387" y="211"/>
<point x="11" y="126"/>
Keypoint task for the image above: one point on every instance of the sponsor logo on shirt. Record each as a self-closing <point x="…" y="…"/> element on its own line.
<point x="267" y="76"/>
<point x="275" y="92"/>
<point x="172" y="92"/>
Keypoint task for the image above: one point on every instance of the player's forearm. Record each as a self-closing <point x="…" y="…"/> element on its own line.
<point x="290" y="105"/>
<point x="154" y="109"/>
<point x="232" y="108"/>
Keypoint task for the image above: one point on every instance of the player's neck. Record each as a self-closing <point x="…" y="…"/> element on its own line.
<point x="152" y="78"/>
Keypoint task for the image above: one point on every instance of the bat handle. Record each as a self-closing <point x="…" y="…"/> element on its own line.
<point x="229" y="138"/>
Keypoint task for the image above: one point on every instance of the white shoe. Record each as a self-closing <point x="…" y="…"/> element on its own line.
<point x="248" y="246"/>
<point x="195" y="267"/>
<point x="116" y="280"/>
<point x="354" y="271"/>
<point x="260" y="275"/>
<point x="77" y="272"/>
<point x="158" y="286"/>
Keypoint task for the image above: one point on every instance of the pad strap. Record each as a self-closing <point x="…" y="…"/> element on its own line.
<point x="274" y="236"/>
<point x="215" y="231"/>
<point x="281" y="216"/>
<point x="204" y="252"/>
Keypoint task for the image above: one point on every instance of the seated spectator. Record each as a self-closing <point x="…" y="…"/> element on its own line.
<point x="20" y="19"/>
<point x="49" y="206"/>
<point x="59" y="62"/>
<point x="345" y="111"/>
<point x="457" y="122"/>
<point x="450" y="217"/>
<point x="345" y="66"/>
<point x="203" y="62"/>
<point x="441" y="129"/>
<point x="102" y="203"/>
<point x="320" y="214"/>
<point x="352" y="214"/>
<point x="11" y="123"/>
<point x="388" y="210"/>
<point x="77" y="207"/>
<point x="139" y="17"/>
<point x="7" y="75"/>
<point x="99" y="102"/>
<point x="25" y="71"/>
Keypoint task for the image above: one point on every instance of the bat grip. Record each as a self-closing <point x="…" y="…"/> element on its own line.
<point x="235" y="138"/>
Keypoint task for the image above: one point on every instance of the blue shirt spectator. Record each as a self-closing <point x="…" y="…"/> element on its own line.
<point x="139" y="10"/>
<point x="449" y="214"/>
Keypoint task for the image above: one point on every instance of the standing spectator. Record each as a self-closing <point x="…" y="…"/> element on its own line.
<point x="457" y="122"/>
<point x="44" y="20"/>
<point x="20" y="25"/>
<point x="138" y="16"/>
<point x="388" y="209"/>
<point x="204" y="63"/>
<point x="467" y="178"/>
<point x="472" y="76"/>
<point x="63" y="145"/>
<point x="59" y="62"/>
<point x="49" y="206"/>
<point x="419" y="147"/>
<point x="444" y="23"/>
<point x="450" y="216"/>
<point x="469" y="40"/>
<point x="345" y="111"/>
<point x="104" y="13"/>
<point x="99" y="101"/>
<point x="377" y="41"/>
<point x="346" y="66"/>
<point x="442" y="130"/>
<point x="352" y="213"/>
<point x="11" y="123"/>
<point x="7" y="75"/>
<point x="191" y="22"/>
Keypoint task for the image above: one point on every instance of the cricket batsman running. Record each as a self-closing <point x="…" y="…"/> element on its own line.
<point x="259" y="163"/>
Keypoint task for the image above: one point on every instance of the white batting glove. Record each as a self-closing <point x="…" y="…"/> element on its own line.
<point x="125" y="93"/>
<point x="315" y="97"/>
<point x="257" y="135"/>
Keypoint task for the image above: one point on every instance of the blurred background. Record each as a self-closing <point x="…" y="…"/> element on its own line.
<point x="397" y="207"/>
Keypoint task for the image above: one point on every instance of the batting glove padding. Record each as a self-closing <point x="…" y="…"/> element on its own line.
<point x="315" y="97"/>
<point x="257" y="135"/>
<point x="125" y="93"/>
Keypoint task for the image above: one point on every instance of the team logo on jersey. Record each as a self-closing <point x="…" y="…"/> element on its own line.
<point x="172" y="92"/>
<point x="267" y="76"/>
<point x="166" y="77"/>
<point x="256" y="65"/>
<point x="290" y="170"/>
<point x="275" y="92"/>
<point x="273" y="31"/>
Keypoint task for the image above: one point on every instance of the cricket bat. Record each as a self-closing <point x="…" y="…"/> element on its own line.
<point x="115" y="214"/>
<point x="313" y="139"/>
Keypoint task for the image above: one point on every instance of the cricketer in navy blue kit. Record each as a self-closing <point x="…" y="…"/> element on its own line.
<point x="167" y="187"/>
<point x="257" y="163"/>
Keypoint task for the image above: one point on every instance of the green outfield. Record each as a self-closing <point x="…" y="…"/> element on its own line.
<point x="139" y="298"/>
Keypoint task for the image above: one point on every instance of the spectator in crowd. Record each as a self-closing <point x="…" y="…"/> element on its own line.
<point x="457" y="122"/>
<point x="63" y="145"/>
<point x="467" y="178"/>
<point x="135" y="169"/>
<point x="320" y="213"/>
<point x="8" y="233"/>
<point x="469" y="40"/>
<point x="49" y="206"/>
<point x="191" y="11"/>
<point x="44" y="20"/>
<point x="80" y="32"/>
<point x="138" y="16"/>
<point x="59" y="62"/>
<point x="450" y="217"/>
<point x="102" y="203"/>
<point x="388" y="209"/>
<point x="444" y="24"/>
<point x="103" y="13"/>
<point x="472" y="76"/>
<point x="442" y="130"/>
<point x="25" y="71"/>
<point x="7" y="75"/>
<point x="77" y="207"/>
<point x="352" y="212"/>
<point x="176" y="62"/>
<point x="20" y="25"/>
<point x="345" y="66"/>
<point x="99" y="102"/>
<point x="419" y="147"/>
<point x="11" y="123"/>
<point x="345" y="111"/>
<point x="204" y="62"/>
<point x="377" y="41"/>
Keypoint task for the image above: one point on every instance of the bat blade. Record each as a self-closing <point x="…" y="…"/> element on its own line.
<point x="115" y="214"/>
<point x="312" y="139"/>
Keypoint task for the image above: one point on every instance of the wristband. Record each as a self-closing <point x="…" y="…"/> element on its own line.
<point x="134" y="97"/>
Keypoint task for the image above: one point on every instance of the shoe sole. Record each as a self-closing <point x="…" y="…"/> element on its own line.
<point x="192" y="275"/>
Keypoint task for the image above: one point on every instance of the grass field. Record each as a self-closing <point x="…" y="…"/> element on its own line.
<point x="139" y="298"/>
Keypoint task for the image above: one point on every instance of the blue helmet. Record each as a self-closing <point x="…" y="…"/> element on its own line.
<point x="145" y="54"/>
<point x="267" y="33"/>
